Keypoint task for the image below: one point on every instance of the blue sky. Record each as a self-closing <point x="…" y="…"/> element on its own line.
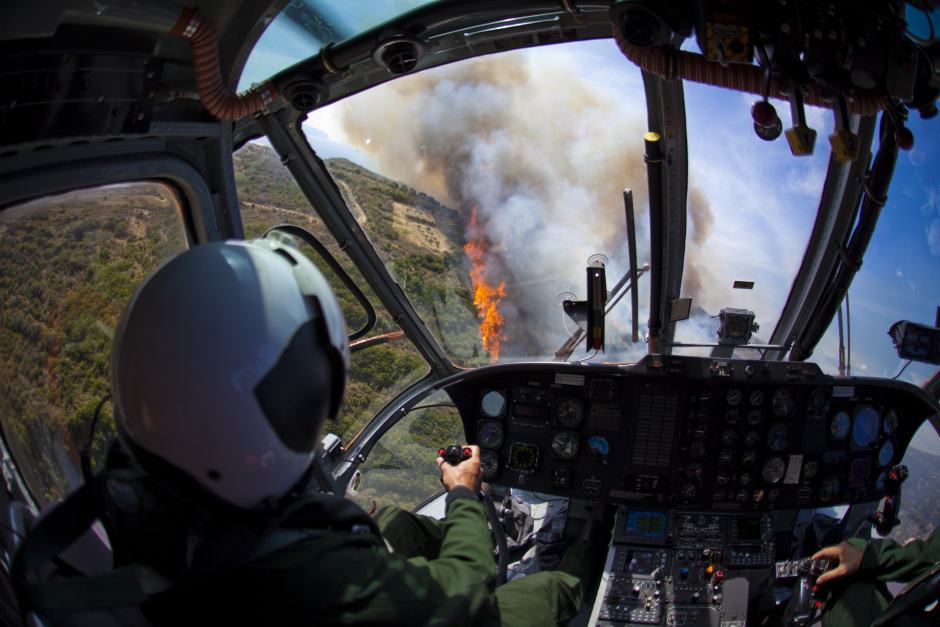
<point x="763" y="200"/>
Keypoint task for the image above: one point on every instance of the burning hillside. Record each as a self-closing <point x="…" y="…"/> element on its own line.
<point x="486" y="297"/>
<point x="543" y="168"/>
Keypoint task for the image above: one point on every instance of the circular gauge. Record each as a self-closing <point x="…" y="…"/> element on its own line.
<point x="756" y="398"/>
<point x="490" y="434"/>
<point x="697" y="450"/>
<point x="742" y="495"/>
<point x="819" y="398"/>
<point x="729" y="437"/>
<point x="886" y="453"/>
<point x="773" y="470"/>
<point x="866" y="427"/>
<point x="598" y="445"/>
<point x="752" y="439"/>
<point x="734" y="397"/>
<point x="719" y="495"/>
<point x="569" y="412"/>
<point x="891" y="422"/>
<point x="489" y="462"/>
<point x="493" y="404"/>
<point x="726" y="457"/>
<point x="773" y="495"/>
<point x="565" y="445"/>
<point x="778" y="437"/>
<point x="758" y="495"/>
<point x="829" y="489"/>
<point x="700" y="432"/>
<point x="745" y="478"/>
<point x="748" y="458"/>
<point x="840" y="426"/>
<point x="810" y="468"/>
<point x="880" y="482"/>
<point x="688" y="491"/>
<point x="722" y="478"/>
<point x="694" y="470"/>
<point x="755" y="417"/>
<point x="782" y="402"/>
<point x="523" y="457"/>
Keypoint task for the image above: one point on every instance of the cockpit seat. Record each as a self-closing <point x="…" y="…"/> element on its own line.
<point x="90" y="554"/>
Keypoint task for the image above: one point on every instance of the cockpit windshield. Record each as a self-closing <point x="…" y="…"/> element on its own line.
<point x="487" y="184"/>
<point x="751" y="210"/>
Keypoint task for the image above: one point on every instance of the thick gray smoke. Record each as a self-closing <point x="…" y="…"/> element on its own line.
<point x="543" y="155"/>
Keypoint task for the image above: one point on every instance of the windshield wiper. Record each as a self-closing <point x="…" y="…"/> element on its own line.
<point x="627" y="282"/>
<point x="620" y="289"/>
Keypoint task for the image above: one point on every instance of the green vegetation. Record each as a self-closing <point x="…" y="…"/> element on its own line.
<point x="70" y="265"/>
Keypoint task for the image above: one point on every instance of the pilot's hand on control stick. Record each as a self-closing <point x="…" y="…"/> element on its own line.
<point x="848" y="557"/>
<point x="467" y="473"/>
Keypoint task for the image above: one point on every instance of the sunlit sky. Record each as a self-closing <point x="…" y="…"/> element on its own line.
<point x="764" y="202"/>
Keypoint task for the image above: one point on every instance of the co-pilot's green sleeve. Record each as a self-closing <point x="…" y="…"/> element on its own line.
<point x="339" y="581"/>
<point x="886" y="560"/>
<point x="456" y="588"/>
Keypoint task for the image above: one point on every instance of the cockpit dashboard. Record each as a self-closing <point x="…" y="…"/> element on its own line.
<point x="709" y="463"/>
<point x="687" y="432"/>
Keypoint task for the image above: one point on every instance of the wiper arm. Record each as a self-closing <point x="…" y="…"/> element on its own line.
<point x="620" y="289"/>
<point x="631" y="243"/>
<point x="627" y="281"/>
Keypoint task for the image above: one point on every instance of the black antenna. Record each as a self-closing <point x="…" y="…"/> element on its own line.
<point x="631" y="243"/>
<point x="654" y="175"/>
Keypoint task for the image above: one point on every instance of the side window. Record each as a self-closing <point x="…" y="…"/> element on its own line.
<point x="268" y="197"/>
<point x="70" y="263"/>
<point x="401" y="468"/>
<point x="920" y="507"/>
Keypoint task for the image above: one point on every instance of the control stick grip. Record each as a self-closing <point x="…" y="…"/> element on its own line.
<point x="453" y="454"/>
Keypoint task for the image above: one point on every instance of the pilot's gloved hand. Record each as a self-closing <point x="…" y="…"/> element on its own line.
<point x="467" y="473"/>
<point x="848" y="560"/>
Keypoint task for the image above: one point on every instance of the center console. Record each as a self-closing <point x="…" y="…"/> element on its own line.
<point x="682" y="568"/>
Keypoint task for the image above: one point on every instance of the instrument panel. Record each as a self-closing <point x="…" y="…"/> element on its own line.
<point x="690" y="432"/>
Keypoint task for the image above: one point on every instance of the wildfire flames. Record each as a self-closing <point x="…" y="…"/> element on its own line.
<point x="486" y="297"/>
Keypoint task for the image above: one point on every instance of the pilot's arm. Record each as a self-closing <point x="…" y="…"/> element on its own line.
<point x="881" y="560"/>
<point x="352" y="579"/>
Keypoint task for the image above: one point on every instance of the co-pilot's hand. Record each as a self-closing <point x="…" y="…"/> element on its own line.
<point x="467" y="473"/>
<point x="848" y="560"/>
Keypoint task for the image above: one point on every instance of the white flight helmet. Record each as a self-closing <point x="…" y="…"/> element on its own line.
<point x="226" y="364"/>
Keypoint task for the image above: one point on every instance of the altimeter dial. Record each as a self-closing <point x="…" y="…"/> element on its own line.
<point x="565" y="445"/>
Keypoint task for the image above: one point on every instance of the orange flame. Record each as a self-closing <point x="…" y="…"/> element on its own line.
<point x="486" y="297"/>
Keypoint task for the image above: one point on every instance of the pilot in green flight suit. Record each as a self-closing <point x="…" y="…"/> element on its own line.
<point x="855" y="587"/>
<point x="440" y="573"/>
<point x="226" y="364"/>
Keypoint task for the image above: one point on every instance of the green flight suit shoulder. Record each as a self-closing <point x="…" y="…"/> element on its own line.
<point x="886" y="560"/>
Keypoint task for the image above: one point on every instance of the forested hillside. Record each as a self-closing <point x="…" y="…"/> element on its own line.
<point x="69" y="265"/>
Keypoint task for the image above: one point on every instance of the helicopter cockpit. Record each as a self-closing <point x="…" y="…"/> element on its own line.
<point x="612" y="244"/>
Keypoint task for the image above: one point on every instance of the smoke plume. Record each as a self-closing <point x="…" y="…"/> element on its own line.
<point x="543" y="154"/>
